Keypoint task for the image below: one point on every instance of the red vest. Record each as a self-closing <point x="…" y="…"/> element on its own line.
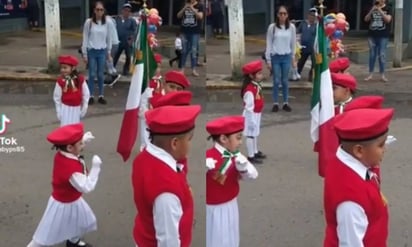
<point x="217" y="193"/>
<point x="63" y="169"/>
<point x="72" y="98"/>
<point x="150" y="178"/>
<point x="257" y="95"/>
<point x="343" y="184"/>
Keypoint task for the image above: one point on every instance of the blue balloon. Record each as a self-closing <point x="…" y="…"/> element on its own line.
<point x="152" y="29"/>
<point x="338" y="34"/>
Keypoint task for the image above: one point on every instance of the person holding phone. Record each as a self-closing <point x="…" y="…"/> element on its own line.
<point x="379" y="19"/>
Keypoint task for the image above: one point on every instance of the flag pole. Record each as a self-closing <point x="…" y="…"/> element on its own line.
<point x="321" y="7"/>
<point x="146" y="64"/>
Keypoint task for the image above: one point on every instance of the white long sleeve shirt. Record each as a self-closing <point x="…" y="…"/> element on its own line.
<point x="280" y="41"/>
<point x="82" y="182"/>
<point x="96" y="36"/>
<point x="351" y="217"/>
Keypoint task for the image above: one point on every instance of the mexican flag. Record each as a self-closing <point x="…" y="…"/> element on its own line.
<point x="322" y="107"/>
<point x="144" y="69"/>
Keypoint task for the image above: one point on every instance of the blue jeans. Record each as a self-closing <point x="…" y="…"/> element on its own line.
<point x="191" y="41"/>
<point x="97" y="61"/>
<point x="280" y="70"/>
<point x="377" y="48"/>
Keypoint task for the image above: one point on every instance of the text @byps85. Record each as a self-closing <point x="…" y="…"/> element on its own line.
<point x="10" y="145"/>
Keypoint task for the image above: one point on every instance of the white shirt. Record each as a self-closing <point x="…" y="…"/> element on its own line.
<point x="82" y="182"/>
<point x="96" y="36"/>
<point x="281" y="42"/>
<point x="351" y="217"/>
<point x="113" y="31"/>
<point x="342" y="104"/>
<point x="178" y="44"/>
<point x="167" y="209"/>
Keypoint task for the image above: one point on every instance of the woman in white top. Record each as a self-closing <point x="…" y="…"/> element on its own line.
<point x="96" y="49"/>
<point x="280" y="50"/>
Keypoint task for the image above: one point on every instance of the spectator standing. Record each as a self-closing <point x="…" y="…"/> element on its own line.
<point x="178" y="50"/>
<point x="191" y="16"/>
<point x="96" y="48"/>
<point x="379" y="19"/>
<point x="307" y="31"/>
<point x="33" y="13"/>
<point x="217" y="8"/>
<point x="111" y="69"/>
<point x="126" y="28"/>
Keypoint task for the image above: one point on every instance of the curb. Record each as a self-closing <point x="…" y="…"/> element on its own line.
<point x="249" y="40"/>
<point x="224" y="84"/>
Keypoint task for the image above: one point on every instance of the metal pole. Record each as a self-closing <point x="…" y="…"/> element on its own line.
<point x="170" y="13"/>
<point x="397" y="59"/>
<point x="53" y="38"/>
<point x="236" y="37"/>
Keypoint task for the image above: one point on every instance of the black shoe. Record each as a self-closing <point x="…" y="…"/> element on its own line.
<point x="78" y="244"/>
<point x="91" y="101"/>
<point x="255" y="161"/>
<point x="170" y="63"/>
<point x="275" y="108"/>
<point x="260" y="155"/>
<point x="115" y="78"/>
<point x="286" y="108"/>
<point x="102" y="101"/>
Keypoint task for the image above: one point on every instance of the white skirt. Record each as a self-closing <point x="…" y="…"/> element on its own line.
<point x="256" y="117"/>
<point x="143" y="133"/>
<point x="69" y="114"/>
<point x="222" y="225"/>
<point x="63" y="221"/>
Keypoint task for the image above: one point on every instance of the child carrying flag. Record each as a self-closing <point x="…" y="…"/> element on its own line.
<point x="226" y="165"/>
<point x="344" y="87"/>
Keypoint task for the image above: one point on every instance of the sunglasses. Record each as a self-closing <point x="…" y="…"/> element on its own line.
<point x="99" y="9"/>
<point x="282" y="13"/>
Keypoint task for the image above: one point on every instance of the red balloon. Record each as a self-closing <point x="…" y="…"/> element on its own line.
<point x="330" y="29"/>
<point x="154" y="19"/>
<point x="341" y="24"/>
<point x="334" y="45"/>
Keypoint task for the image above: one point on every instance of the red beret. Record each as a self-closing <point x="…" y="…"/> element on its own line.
<point x="68" y="134"/>
<point x="363" y="124"/>
<point x="372" y="102"/>
<point x="158" y="58"/>
<point x="173" y="98"/>
<point x="225" y="125"/>
<point x="178" y="78"/>
<point x="69" y="60"/>
<point x="252" y="67"/>
<point x="344" y="80"/>
<point x="172" y="119"/>
<point x="339" y="65"/>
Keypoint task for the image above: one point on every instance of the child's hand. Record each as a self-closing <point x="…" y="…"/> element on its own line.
<point x="96" y="161"/>
<point x="87" y="137"/>
<point x="241" y="162"/>
<point x="210" y="163"/>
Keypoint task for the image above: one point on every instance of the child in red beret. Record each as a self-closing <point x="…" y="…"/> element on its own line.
<point x="174" y="81"/>
<point x="226" y="165"/>
<point x="253" y="104"/>
<point x="71" y="93"/>
<point x="68" y="216"/>
<point x="162" y="194"/>
<point x="356" y="211"/>
<point x="344" y="87"/>
<point x="339" y="65"/>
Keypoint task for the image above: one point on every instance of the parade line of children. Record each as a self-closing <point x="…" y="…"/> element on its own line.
<point x="356" y="211"/>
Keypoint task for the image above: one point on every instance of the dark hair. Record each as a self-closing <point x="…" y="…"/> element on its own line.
<point x="277" y="23"/>
<point x="246" y="81"/>
<point x="94" y="14"/>
<point x="214" y="138"/>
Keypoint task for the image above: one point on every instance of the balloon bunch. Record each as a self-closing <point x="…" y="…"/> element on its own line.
<point x="154" y="21"/>
<point x="335" y="27"/>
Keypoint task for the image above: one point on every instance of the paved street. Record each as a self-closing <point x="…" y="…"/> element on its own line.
<point x="282" y="208"/>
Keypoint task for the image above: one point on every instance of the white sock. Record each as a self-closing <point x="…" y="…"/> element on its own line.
<point x="255" y="147"/>
<point x="250" y="147"/>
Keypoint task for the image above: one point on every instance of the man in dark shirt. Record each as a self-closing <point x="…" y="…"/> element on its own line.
<point x="191" y="16"/>
<point x="379" y="18"/>
<point x="126" y="28"/>
<point x="307" y="31"/>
